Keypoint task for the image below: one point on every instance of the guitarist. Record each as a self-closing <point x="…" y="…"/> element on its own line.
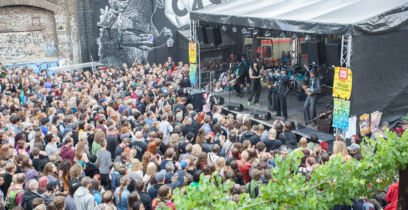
<point x="309" y="108"/>
<point x="239" y="76"/>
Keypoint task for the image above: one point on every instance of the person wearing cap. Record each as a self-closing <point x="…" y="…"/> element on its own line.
<point x="309" y="108"/>
<point x="354" y="149"/>
<point x="281" y="91"/>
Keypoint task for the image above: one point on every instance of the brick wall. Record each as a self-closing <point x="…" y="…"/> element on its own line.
<point x="39" y="31"/>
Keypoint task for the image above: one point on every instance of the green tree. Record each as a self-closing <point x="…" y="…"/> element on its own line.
<point x="334" y="183"/>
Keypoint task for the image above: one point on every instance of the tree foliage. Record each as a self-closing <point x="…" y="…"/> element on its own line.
<point x="334" y="183"/>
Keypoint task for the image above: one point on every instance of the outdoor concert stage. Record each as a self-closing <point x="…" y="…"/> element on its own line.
<point x="295" y="112"/>
<point x="295" y="107"/>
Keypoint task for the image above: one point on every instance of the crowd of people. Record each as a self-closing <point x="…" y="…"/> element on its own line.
<point x="125" y="138"/>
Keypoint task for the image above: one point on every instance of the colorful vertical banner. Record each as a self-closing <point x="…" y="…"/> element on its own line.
<point x="364" y="124"/>
<point x="341" y="114"/>
<point x="193" y="73"/>
<point x="375" y="121"/>
<point x="342" y="84"/>
<point x="192" y="52"/>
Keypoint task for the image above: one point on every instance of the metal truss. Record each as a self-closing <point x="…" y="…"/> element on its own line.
<point x="346" y="52"/>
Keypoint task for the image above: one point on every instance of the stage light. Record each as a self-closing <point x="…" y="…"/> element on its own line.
<point x="268" y="33"/>
<point x="224" y="28"/>
<point x="234" y="29"/>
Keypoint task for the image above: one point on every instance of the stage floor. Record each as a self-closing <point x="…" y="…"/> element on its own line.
<point x="295" y="107"/>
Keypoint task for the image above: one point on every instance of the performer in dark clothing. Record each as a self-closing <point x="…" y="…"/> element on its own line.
<point x="239" y="76"/>
<point x="272" y="80"/>
<point x="309" y="108"/>
<point x="281" y="88"/>
<point x="255" y="74"/>
<point x="247" y="78"/>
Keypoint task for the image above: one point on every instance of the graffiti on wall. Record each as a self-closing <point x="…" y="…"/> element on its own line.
<point x="36" y="67"/>
<point x="25" y="45"/>
<point x="127" y="32"/>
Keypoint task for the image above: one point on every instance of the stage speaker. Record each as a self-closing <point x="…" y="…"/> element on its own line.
<point x="197" y="99"/>
<point x="315" y="52"/>
<point x="201" y="35"/>
<point x="213" y="36"/>
<point x="262" y="115"/>
<point x="235" y="107"/>
<point x="217" y="100"/>
<point x="333" y="53"/>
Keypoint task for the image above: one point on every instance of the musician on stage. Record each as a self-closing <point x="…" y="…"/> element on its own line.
<point x="312" y="91"/>
<point x="255" y="74"/>
<point x="272" y="78"/>
<point x="281" y="92"/>
<point x="239" y="76"/>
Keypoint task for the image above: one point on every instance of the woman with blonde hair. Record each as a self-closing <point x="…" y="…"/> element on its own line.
<point x="81" y="156"/>
<point x="135" y="170"/>
<point x="196" y="150"/>
<point x="220" y="165"/>
<point x="151" y="171"/>
<point x="122" y="193"/>
<point x="302" y="143"/>
<point x="339" y="147"/>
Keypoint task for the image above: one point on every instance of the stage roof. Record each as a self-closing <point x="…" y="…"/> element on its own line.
<point x="310" y="16"/>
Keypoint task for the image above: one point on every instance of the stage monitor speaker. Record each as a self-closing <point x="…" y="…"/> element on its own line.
<point x="197" y="99"/>
<point x="315" y="52"/>
<point x="262" y="115"/>
<point x="217" y="100"/>
<point x="213" y="36"/>
<point x="333" y="53"/>
<point x="235" y="107"/>
<point x="201" y="35"/>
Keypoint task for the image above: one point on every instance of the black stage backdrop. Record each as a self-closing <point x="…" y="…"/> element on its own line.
<point x="380" y="74"/>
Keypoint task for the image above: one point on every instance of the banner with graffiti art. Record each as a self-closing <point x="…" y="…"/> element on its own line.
<point x="342" y="84"/>
<point x="193" y="73"/>
<point x="341" y="112"/>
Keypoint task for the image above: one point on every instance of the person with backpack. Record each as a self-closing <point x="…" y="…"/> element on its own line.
<point x="15" y="193"/>
<point x="253" y="185"/>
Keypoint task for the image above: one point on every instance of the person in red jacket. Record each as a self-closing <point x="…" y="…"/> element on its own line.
<point x="401" y="130"/>
<point x="392" y="197"/>
<point x="244" y="165"/>
<point x="67" y="153"/>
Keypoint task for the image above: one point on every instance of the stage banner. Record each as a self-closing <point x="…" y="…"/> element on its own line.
<point x="342" y="83"/>
<point x="192" y="52"/>
<point x="341" y="114"/>
<point x="193" y="73"/>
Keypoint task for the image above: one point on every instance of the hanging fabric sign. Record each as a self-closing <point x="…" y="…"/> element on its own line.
<point x="341" y="114"/>
<point x="193" y="73"/>
<point x="342" y="83"/>
<point x="192" y="52"/>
